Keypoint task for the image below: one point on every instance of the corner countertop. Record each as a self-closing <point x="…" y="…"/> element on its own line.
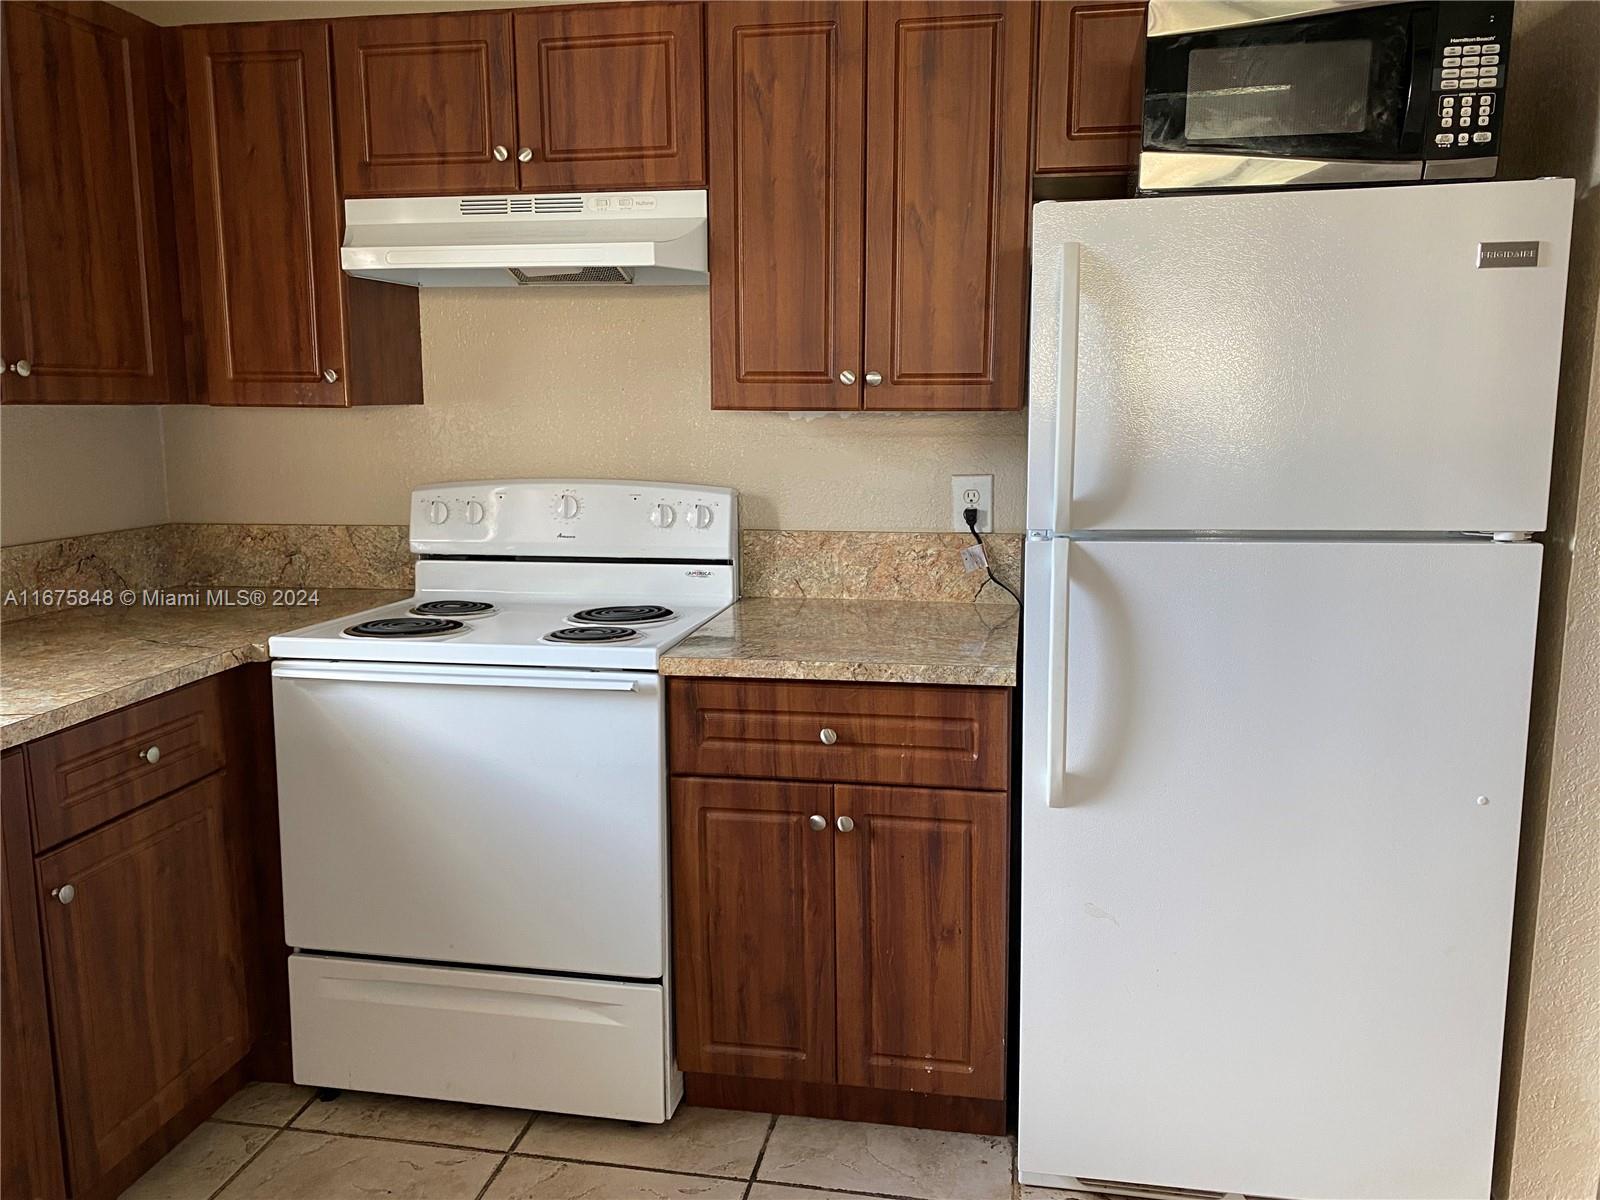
<point x="866" y="641"/>
<point x="66" y="667"/>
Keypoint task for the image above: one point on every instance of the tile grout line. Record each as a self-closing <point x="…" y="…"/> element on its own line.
<point x="261" y="1149"/>
<point x="755" y="1168"/>
<point x="493" y="1175"/>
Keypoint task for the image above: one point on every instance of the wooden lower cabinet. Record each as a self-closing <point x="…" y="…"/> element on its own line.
<point x="30" y="1138"/>
<point x="146" y="972"/>
<point x="920" y="904"/>
<point x="144" y="967"/>
<point x="842" y="948"/>
<point x="753" y="904"/>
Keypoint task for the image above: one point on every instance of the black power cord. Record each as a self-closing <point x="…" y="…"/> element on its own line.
<point x="970" y="515"/>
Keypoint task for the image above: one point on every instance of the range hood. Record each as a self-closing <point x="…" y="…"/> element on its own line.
<point x="520" y="240"/>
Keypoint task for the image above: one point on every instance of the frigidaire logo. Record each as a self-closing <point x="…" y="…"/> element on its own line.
<point x="1508" y="254"/>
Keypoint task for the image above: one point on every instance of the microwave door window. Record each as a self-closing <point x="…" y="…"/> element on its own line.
<point x="1302" y="89"/>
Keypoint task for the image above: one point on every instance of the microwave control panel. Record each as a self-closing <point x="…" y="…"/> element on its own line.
<point x="1471" y="50"/>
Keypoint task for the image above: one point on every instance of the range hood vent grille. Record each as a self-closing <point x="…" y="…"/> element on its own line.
<point x="505" y="206"/>
<point x="587" y="275"/>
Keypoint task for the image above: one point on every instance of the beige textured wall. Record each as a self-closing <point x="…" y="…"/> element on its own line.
<point x="1549" y="1145"/>
<point x="70" y="470"/>
<point x="596" y="382"/>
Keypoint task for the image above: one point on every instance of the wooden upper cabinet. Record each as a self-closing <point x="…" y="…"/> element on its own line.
<point x="1091" y="88"/>
<point x="948" y="201"/>
<point x="145" y="973"/>
<point x="753" y="928"/>
<point x="921" y="902"/>
<point x="283" y="324"/>
<point x="426" y="104"/>
<point x="89" y="289"/>
<point x="786" y="187"/>
<point x="610" y="96"/>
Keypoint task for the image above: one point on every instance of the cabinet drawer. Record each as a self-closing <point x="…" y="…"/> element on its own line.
<point x="86" y="775"/>
<point x="880" y="733"/>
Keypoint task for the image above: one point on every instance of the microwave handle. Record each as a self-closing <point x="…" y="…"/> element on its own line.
<point x="1419" y="96"/>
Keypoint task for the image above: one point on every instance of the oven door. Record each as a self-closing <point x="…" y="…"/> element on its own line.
<point x="493" y="816"/>
<point x="1335" y="94"/>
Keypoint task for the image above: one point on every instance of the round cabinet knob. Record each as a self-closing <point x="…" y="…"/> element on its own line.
<point x="501" y="154"/>
<point x="817" y="821"/>
<point x="474" y="512"/>
<point x="700" y="516"/>
<point x="847" y="377"/>
<point x="330" y="375"/>
<point x="66" y="893"/>
<point x="525" y="155"/>
<point x="438" y="512"/>
<point x="829" y="737"/>
<point x="567" y="506"/>
<point x="151" y="754"/>
<point x="662" y="516"/>
<point x="22" y="367"/>
<point x="845" y="824"/>
<point x="873" y="378"/>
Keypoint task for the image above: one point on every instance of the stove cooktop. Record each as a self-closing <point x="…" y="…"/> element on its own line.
<point x="501" y="630"/>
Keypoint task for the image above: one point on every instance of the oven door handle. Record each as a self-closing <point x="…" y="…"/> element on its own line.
<point x="1419" y="96"/>
<point x="460" y="676"/>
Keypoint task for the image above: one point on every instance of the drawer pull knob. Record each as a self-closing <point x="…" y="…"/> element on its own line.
<point x="65" y="893"/>
<point x="846" y="824"/>
<point x="829" y="737"/>
<point x="151" y="754"/>
<point x="817" y="821"/>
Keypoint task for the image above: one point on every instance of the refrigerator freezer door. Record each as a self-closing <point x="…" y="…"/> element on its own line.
<point x="1265" y="936"/>
<point x="1320" y="360"/>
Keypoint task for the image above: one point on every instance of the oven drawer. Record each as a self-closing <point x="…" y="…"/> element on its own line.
<point x="852" y="733"/>
<point x="91" y="773"/>
<point x="481" y="1037"/>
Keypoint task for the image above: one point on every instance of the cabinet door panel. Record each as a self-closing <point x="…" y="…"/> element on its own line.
<point x="786" y="177"/>
<point x="423" y="102"/>
<point x="90" y="296"/>
<point x="1091" y="87"/>
<point x="145" y="972"/>
<point x="753" y="928"/>
<point x="947" y="203"/>
<point x="611" y="96"/>
<point x="922" y="903"/>
<point x="261" y="131"/>
<point x="30" y="1140"/>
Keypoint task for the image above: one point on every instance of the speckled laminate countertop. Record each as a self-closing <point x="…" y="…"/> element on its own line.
<point x="69" y="666"/>
<point x="869" y="641"/>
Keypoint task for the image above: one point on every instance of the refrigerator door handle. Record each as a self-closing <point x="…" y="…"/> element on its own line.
<point x="1056" y="690"/>
<point x="1065" y="337"/>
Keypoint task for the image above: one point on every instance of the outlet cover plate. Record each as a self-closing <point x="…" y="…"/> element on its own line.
<point x="983" y="485"/>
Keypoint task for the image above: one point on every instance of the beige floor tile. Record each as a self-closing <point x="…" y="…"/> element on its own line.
<point x="264" y="1103"/>
<point x="706" y="1141"/>
<point x="200" y="1164"/>
<point x="1033" y="1192"/>
<point x="888" y="1160"/>
<point x="544" y="1179"/>
<point x="315" y="1166"/>
<point x="782" y="1191"/>
<point x="408" y="1120"/>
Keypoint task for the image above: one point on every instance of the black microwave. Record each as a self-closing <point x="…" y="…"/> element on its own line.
<point x="1304" y="93"/>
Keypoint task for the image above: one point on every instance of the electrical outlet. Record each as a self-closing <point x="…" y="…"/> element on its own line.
<point x="972" y="491"/>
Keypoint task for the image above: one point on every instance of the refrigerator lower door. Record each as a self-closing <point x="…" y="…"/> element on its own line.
<point x="1266" y="920"/>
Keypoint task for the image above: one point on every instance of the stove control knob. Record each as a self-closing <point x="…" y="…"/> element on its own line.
<point x="662" y="516"/>
<point x="474" y="512"/>
<point x="567" y="506"/>
<point x="438" y="512"/>
<point x="700" y="516"/>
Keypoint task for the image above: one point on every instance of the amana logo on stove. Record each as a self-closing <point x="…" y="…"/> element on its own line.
<point x="1508" y="254"/>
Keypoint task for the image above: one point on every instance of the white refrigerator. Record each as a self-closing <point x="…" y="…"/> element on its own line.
<point x="1288" y="457"/>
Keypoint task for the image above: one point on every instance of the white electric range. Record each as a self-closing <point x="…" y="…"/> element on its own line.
<point x="472" y="797"/>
